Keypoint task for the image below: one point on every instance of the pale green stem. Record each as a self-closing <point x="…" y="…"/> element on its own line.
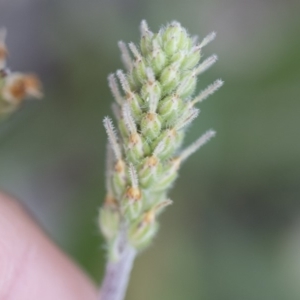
<point x="117" y="275"/>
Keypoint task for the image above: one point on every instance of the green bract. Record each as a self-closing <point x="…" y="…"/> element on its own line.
<point x="153" y="110"/>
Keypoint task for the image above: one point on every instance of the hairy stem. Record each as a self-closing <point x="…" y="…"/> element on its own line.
<point x="117" y="275"/>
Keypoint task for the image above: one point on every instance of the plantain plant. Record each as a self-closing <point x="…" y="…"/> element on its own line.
<point x="154" y="105"/>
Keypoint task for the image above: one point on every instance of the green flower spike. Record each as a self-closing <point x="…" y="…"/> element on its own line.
<point x="154" y="107"/>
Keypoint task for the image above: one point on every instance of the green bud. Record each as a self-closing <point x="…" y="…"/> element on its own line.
<point x="135" y="103"/>
<point x="170" y="108"/>
<point x="132" y="203"/>
<point x="133" y="210"/>
<point x="173" y="29"/>
<point x="139" y="70"/>
<point x="151" y="125"/>
<point x="123" y="128"/>
<point x="185" y="42"/>
<point x="119" y="178"/>
<point x="157" y="40"/>
<point x="178" y="57"/>
<point x="148" y="171"/>
<point x="187" y="85"/>
<point x="134" y="83"/>
<point x="165" y="182"/>
<point x="136" y="148"/>
<point x="151" y="93"/>
<point x="168" y="177"/>
<point x="171" y="38"/>
<point x="190" y="61"/>
<point x="169" y="78"/>
<point x="157" y="60"/>
<point x="141" y="232"/>
<point x="146" y="43"/>
<point x="170" y="46"/>
<point x="109" y="222"/>
<point x="171" y="140"/>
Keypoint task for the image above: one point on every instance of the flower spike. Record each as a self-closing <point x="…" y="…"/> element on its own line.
<point x="153" y="111"/>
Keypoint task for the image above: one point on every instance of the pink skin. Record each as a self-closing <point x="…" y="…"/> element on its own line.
<point x="31" y="266"/>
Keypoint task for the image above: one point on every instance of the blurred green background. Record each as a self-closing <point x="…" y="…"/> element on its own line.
<point x="234" y="230"/>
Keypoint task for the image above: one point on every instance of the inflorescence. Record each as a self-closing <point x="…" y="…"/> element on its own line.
<point x="153" y="107"/>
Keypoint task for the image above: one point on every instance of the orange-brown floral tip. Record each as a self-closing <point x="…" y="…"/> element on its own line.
<point x="18" y="86"/>
<point x="149" y="217"/>
<point x="33" y="86"/>
<point x="110" y="201"/>
<point x="133" y="193"/>
<point x="152" y="161"/>
<point x="120" y="166"/>
<point x="3" y="56"/>
<point x="3" y="48"/>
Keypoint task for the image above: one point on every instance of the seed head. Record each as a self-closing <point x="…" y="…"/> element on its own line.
<point x="153" y="111"/>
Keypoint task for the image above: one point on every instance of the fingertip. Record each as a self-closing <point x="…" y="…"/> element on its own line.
<point x="31" y="266"/>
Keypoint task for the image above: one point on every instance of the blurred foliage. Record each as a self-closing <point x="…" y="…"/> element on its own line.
<point x="233" y="232"/>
